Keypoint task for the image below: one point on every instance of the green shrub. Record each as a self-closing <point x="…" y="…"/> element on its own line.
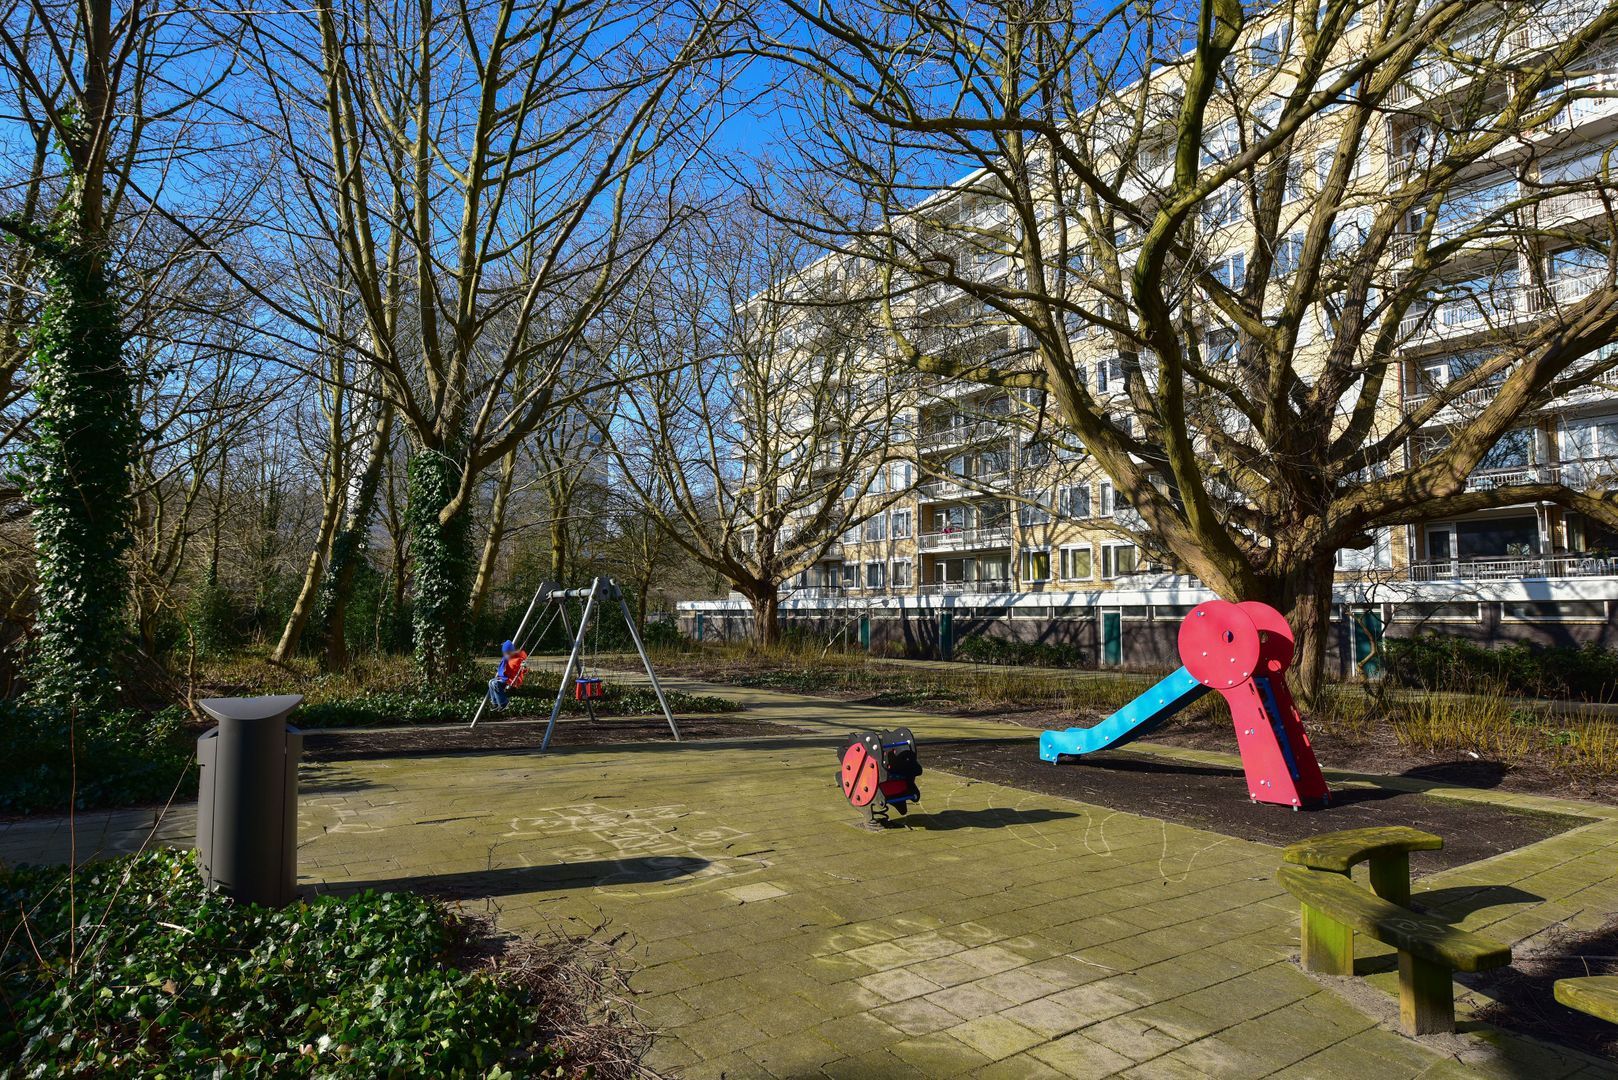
<point x="981" y="649"/>
<point x="145" y="974"/>
<point x="1444" y="662"/>
<point x="122" y="758"/>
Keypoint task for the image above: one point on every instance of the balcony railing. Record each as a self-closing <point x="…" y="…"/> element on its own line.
<point x="981" y="587"/>
<point x="1495" y="307"/>
<point x="1507" y="568"/>
<point x="994" y="536"/>
<point x="961" y="487"/>
<point x="962" y="434"/>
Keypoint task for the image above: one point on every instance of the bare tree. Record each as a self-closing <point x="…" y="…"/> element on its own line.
<point x="489" y="173"/>
<point x="758" y="426"/>
<point x="1257" y="223"/>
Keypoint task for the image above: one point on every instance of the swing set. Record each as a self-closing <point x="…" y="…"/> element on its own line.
<point x="586" y="687"/>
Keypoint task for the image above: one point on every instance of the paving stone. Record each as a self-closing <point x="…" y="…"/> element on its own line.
<point x="995" y="1036"/>
<point x="773" y="937"/>
<point x="917" y="1016"/>
<point x="1076" y="1056"/>
<point x="939" y="1055"/>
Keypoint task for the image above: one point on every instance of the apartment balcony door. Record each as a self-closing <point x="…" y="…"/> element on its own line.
<point x="1441" y="548"/>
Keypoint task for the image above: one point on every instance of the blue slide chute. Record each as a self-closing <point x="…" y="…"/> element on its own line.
<point x="1140" y="717"/>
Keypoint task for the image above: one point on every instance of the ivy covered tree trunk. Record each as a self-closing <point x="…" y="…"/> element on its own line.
<point x="441" y="580"/>
<point x="78" y="481"/>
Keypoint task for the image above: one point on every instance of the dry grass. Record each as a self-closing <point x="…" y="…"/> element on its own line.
<point x="580" y="990"/>
<point x="1483" y="720"/>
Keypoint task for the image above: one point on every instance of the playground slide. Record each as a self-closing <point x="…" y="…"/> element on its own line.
<point x="1140" y="717"/>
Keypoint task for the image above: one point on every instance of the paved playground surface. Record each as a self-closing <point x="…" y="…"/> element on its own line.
<point x="995" y="933"/>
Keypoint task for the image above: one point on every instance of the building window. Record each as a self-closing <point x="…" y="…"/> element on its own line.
<point x="1106" y="500"/>
<point x="1109" y="372"/>
<point x="903" y="475"/>
<point x="1453" y="611"/>
<point x="1378" y="556"/>
<point x="1118" y="560"/>
<point x="1554" y="611"/>
<point x="850" y="536"/>
<point x="1231" y="271"/>
<point x="1033" y="511"/>
<point x="901" y="524"/>
<point x="851" y="575"/>
<point x="901" y="574"/>
<point x="1271" y="48"/>
<point x="1074" y="501"/>
<point x="876" y="575"/>
<point x="1077" y="563"/>
<point x="1223" y="206"/>
<point x="876" y="528"/>
<point x="1036" y="565"/>
<point x="1288" y="254"/>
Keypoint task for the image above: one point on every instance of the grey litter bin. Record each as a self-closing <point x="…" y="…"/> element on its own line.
<point x="247" y="798"/>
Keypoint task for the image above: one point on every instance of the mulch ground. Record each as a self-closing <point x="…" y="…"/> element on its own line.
<point x="1215" y="798"/>
<point x="348" y="744"/>
<point x="1380" y="754"/>
<point x="1524" y="996"/>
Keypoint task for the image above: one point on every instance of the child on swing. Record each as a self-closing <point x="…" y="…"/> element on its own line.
<point x="508" y="676"/>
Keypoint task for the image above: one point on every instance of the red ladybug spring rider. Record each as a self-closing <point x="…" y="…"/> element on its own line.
<point x="879" y="770"/>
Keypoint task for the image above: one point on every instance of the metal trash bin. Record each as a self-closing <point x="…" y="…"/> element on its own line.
<point x="247" y="798"/>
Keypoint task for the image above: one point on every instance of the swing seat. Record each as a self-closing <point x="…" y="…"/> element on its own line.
<point x="586" y="689"/>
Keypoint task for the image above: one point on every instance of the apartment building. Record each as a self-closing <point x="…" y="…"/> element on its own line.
<point x="1009" y="528"/>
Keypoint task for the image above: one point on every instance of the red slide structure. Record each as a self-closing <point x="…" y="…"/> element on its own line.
<point x="1241" y="651"/>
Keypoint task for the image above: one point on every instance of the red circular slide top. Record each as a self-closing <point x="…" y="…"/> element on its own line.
<point x="1219" y="644"/>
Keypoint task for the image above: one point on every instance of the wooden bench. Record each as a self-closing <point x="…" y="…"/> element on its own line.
<point x="1387" y="850"/>
<point x="1327" y="946"/>
<point x="1593" y="994"/>
<point x="1430" y="950"/>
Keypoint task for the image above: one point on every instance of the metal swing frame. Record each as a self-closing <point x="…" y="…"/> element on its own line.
<point x="603" y="590"/>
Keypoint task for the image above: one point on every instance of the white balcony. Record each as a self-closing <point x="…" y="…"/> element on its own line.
<point x="983" y="587"/>
<point x="996" y="536"/>
<point x="1494" y="308"/>
<point x="964" y="487"/>
<point x="1513" y="567"/>
<point x="957" y="435"/>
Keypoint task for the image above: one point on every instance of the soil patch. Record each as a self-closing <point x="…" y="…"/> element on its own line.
<point x="1380" y="753"/>
<point x="349" y="744"/>
<point x="1215" y="798"/>
<point x="1523" y="993"/>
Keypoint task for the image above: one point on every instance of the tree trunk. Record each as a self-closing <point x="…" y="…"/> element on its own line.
<point x="483" y="584"/>
<point x="77" y="479"/>
<point x="766" y="602"/>
<point x="348" y="549"/>
<point x="1304" y="596"/>
<point x="442" y="553"/>
<point x="313" y="572"/>
<point x="558" y="539"/>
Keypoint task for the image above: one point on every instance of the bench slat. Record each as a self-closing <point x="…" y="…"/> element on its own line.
<point x="1340" y="851"/>
<point x="1409" y="931"/>
<point x="1593" y="994"/>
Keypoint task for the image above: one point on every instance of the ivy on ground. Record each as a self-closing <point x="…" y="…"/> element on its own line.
<point x="144" y="973"/>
